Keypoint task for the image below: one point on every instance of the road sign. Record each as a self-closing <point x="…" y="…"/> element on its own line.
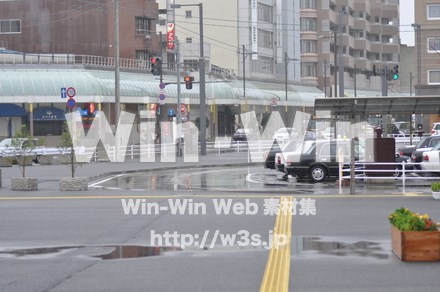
<point x="63" y="92"/>
<point x="171" y="112"/>
<point x="71" y="92"/>
<point x="273" y="100"/>
<point x="162" y="85"/>
<point x="71" y="103"/>
<point x="162" y="97"/>
<point x="182" y="108"/>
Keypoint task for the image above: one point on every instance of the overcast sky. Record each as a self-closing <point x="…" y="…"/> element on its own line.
<point x="406" y="19"/>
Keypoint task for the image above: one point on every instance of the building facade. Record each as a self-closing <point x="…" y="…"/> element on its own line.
<point x="246" y="39"/>
<point x="341" y="38"/>
<point x="427" y="49"/>
<point x="79" y="27"/>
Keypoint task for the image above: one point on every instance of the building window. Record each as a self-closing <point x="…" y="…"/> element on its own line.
<point x="265" y="38"/>
<point x="189" y="40"/>
<point x="191" y="64"/>
<point x="162" y="22"/>
<point x="10" y="26"/>
<point x="434" y="45"/>
<point x="142" y="55"/>
<point x="265" y="13"/>
<point x="433" y="11"/>
<point x="308" y="47"/>
<point x="142" y="25"/>
<point x="262" y="65"/>
<point x="308" y="4"/>
<point x="308" y="69"/>
<point x="188" y="14"/>
<point x="434" y="76"/>
<point x="308" y="24"/>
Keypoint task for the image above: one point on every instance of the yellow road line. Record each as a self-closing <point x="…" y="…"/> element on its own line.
<point x="276" y="275"/>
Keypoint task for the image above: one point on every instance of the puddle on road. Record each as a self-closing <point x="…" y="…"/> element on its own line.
<point x="338" y="248"/>
<point x="300" y="245"/>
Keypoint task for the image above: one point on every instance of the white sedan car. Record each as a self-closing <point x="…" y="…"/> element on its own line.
<point x="431" y="159"/>
<point x="285" y="134"/>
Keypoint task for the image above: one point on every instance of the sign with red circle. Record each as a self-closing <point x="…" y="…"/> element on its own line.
<point x="71" y="103"/>
<point x="273" y="100"/>
<point x="71" y="92"/>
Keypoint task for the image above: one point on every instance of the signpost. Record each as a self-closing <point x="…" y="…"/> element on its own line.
<point x="63" y="92"/>
<point x="71" y="92"/>
<point x="71" y="103"/>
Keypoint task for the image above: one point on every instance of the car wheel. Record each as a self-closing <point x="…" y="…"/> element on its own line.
<point x="317" y="173"/>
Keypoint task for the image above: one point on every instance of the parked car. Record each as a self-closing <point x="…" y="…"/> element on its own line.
<point x="280" y="157"/>
<point x="244" y="135"/>
<point x="285" y="134"/>
<point x="269" y="156"/>
<point x="404" y="127"/>
<point x="427" y="142"/>
<point x="319" y="160"/>
<point x="417" y="155"/>
<point x="328" y="133"/>
<point x="7" y="150"/>
<point x="435" y="129"/>
<point x="431" y="161"/>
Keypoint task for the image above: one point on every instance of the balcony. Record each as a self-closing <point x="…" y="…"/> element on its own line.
<point x="390" y="48"/>
<point x="360" y="44"/>
<point x="309" y="58"/>
<point x="309" y="13"/>
<point x="376" y="47"/>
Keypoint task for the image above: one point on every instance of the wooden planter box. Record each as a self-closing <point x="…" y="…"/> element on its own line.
<point x="415" y="246"/>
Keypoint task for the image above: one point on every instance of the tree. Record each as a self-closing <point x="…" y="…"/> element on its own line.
<point x="22" y="147"/>
<point x="66" y="145"/>
<point x="197" y="122"/>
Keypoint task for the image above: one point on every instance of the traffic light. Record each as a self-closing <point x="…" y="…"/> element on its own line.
<point x="189" y="82"/>
<point x="156" y="65"/>
<point x="396" y="72"/>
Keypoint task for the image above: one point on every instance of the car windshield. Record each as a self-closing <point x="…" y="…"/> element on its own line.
<point x="436" y="147"/>
<point x="284" y="130"/>
<point x="404" y="126"/>
<point x="436" y="127"/>
<point x="5" y="143"/>
<point x="421" y="142"/>
<point x="291" y="146"/>
<point x="240" y="131"/>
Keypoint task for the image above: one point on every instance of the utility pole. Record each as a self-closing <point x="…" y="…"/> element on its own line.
<point x="384" y="80"/>
<point x="117" y="83"/>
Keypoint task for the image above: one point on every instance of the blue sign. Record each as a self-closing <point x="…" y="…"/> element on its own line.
<point x="170" y="112"/>
<point x="162" y="85"/>
<point x="162" y="96"/>
<point x="84" y="112"/>
<point x="63" y="92"/>
<point x="71" y="103"/>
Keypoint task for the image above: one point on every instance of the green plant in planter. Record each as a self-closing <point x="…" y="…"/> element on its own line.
<point x="22" y="147"/>
<point x="66" y="144"/>
<point x="405" y="220"/>
<point x="435" y="187"/>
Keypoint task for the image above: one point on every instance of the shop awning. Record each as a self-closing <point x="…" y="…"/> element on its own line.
<point x="11" y="110"/>
<point x="49" y="114"/>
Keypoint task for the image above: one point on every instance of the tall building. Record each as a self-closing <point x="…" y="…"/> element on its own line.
<point x="346" y="39"/>
<point x="427" y="48"/>
<point x="252" y="39"/>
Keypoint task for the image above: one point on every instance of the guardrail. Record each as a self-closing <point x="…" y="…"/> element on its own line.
<point x="361" y="171"/>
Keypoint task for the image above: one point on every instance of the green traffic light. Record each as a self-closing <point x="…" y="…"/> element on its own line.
<point x="395" y="76"/>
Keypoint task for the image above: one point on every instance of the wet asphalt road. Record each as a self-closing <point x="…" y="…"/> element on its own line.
<point x="84" y="241"/>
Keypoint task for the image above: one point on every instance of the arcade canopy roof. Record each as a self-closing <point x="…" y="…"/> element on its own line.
<point x="381" y="105"/>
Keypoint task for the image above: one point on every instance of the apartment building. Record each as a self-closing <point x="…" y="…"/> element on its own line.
<point x="253" y="39"/>
<point x="427" y="50"/>
<point x="346" y="38"/>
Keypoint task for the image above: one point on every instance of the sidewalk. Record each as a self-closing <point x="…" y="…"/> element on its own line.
<point x="49" y="175"/>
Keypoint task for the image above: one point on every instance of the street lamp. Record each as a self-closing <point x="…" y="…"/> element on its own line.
<point x="202" y="79"/>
